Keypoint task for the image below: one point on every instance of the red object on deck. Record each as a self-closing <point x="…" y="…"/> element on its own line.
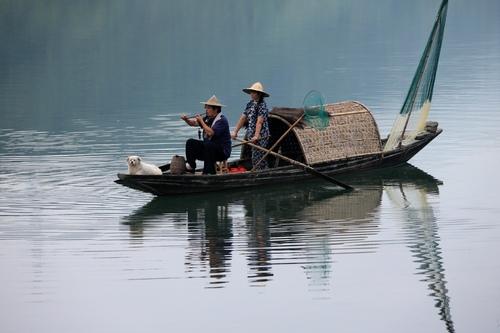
<point x="238" y="169"/>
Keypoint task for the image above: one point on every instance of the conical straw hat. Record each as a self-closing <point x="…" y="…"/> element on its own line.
<point x="213" y="101"/>
<point x="258" y="87"/>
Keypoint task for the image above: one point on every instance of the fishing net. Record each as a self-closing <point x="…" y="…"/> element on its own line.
<point x="413" y="115"/>
<point x="315" y="114"/>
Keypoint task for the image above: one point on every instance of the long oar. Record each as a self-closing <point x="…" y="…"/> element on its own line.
<point x="299" y="164"/>
<point x="243" y="142"/>
<point x="278" y="141"/>
<point x="314" y="109"/>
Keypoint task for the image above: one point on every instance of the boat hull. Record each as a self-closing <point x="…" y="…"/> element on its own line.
<point x="168" y="184"/>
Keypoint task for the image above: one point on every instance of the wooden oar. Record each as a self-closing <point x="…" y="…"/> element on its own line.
<point x="313" y="97"/>
<point x="299" y="164"/>
<point x="243" y="142"/>
<point x="278" y="141"/>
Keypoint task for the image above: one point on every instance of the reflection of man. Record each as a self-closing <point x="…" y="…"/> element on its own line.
<point x="215" y="243"/>
<point x="218" y="235"/>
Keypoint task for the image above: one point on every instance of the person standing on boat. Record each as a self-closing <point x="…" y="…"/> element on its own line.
<point x="216" y="143"/>
<point x="255" y="117"/>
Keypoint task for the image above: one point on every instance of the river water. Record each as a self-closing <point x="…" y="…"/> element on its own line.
<point x="84" y="84"/>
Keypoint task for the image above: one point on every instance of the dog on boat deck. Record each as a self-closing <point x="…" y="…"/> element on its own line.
<point x="137" y="167"/>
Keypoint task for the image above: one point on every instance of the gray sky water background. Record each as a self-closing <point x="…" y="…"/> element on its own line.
<point x="84" y="84"/>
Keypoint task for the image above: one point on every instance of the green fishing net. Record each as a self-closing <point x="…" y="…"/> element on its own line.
<point x="315" y="114"/>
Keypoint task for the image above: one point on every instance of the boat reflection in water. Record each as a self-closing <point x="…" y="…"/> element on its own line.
<point x="305" y="225"/>
<point x="300" y="224"/>
<point x="423" y="239"/>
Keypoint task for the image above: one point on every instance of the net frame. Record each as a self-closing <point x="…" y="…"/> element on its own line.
<point x="315" y="115"/>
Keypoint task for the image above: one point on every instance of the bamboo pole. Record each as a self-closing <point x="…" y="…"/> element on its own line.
<point x="299" y="164"/>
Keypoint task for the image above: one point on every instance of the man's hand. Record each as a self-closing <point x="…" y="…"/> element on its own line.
<point x="199" y="120"/>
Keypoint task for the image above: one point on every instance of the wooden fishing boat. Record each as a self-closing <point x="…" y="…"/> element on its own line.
<point x="351" y="142"/>
<point x="355" y="146"/>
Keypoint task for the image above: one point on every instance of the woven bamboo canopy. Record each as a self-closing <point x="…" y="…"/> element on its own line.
<point x="352" y="131"/>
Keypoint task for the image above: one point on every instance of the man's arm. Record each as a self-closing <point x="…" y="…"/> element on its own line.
<point x="189" y="121"/>
<point x="208" y="130"/>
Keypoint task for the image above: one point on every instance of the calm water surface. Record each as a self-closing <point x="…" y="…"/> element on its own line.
<point x="84" y="84"/>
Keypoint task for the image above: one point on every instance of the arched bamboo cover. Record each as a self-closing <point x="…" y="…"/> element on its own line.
<point x="352" y="131"/>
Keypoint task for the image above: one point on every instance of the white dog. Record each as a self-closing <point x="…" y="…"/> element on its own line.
<point x="137" y="167"/>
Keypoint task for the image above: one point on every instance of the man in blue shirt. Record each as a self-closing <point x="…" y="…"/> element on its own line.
<point x="216" y="143"/>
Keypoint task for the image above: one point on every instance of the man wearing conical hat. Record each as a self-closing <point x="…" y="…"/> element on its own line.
<point x="216" y="142"/>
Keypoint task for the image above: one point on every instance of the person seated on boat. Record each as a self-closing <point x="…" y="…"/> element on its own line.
<point x="255" y="117"/>
<point x="216" y="143"/>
